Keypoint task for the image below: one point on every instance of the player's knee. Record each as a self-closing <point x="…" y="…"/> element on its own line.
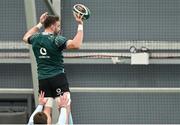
<point x="58" y="101"/>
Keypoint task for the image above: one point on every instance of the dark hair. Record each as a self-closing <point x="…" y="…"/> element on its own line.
<point x="50" y="20"/>
<point x="40" y="118"/>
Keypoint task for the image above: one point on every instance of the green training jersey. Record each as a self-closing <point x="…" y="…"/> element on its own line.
<point x="48" y="49"/>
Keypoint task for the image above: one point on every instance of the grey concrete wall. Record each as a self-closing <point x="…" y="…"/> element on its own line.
<point x="118" y="20"/>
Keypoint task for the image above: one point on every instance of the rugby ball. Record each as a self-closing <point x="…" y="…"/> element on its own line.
<point x="82" y="10"/>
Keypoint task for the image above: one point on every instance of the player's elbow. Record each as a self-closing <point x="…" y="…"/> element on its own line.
<point x="25" y="39"/>
<point x="77" y="46"/>
<point x="73" y="45"/>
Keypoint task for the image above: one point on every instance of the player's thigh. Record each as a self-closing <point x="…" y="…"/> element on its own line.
<point x="59" y="84"/>
<point x="45" y="87"/>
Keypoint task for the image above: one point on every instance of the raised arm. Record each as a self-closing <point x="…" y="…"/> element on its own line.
<point x="35" y="28"/>
<point x="64" y="110"/>
<point x="76" y="42"/>
<point x="42" y="102"/>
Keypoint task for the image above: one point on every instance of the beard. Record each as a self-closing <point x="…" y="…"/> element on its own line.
<point x="57" y="33"/>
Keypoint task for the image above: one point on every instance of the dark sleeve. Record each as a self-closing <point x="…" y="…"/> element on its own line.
<point x="60" y="42"/>
<point x="31" y="38"/>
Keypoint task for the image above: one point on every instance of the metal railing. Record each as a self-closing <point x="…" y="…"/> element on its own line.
<point x="96" y="90"/>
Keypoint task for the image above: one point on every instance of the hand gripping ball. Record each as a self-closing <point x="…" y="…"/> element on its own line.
<point x="82" y="10"/>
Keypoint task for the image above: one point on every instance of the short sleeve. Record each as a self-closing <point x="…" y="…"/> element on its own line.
<point x="32" y="38"/>
<point x="60" y="42"/>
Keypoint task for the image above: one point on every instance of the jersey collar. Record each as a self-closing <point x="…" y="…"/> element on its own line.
<point x="47" y="33"/>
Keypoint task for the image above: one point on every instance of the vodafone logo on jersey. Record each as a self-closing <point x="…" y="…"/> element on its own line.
<point x="43" y="51"/>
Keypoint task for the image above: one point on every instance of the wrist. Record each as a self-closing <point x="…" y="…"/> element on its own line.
<point x="80" y="27"/>
<point x="80" y="22"/>
<point x="39" y="25"/>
